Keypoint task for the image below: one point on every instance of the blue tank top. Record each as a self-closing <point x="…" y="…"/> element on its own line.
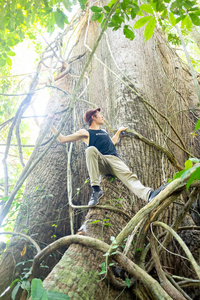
<point x="101" y="140"/>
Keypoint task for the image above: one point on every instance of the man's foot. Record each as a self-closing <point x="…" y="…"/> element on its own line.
<point x="94" y="200"/>
<point x="153" y="194"/>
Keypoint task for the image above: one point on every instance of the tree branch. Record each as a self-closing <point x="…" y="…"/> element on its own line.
<point x="127" y="264"/>
<point x="18" y="115"/>
<point x="25" y="236"/>
<point x="169" y="155"/>
<point x="177" y="286"/>
<point x="144" y="212"/>
<point x="182" y="244"/>
<point x="169" y="288"/>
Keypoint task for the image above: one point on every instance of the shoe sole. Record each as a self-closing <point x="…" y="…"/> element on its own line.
<point x="97" y="202"/>
<point x="161" y="189"/>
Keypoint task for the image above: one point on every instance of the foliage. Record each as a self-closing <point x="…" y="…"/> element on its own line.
<point x="19" y="18"/>
<point x="36" y="290"/>
<point x="156" y="11"/>
<point x="22" y="283"/>
<point x="188" y="168"/>
<point x="39" y="293"/>
<point x="9" y="106"/>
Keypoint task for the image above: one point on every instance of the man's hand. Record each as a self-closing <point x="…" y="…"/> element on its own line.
<point x="122" y="129"/>
<point x="116" y="136"/>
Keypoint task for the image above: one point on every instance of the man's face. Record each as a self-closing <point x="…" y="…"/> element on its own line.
<point x="98" y="118"/>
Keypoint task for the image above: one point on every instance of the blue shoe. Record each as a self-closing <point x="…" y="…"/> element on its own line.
<point x="94" y="200"/>
<point x="153" y="194"/>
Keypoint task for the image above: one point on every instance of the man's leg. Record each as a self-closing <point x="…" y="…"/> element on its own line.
<point x="120" y="169"/>
<point x="96" y="164"/>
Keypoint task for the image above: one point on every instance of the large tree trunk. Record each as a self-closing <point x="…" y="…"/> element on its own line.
<point x="163" y="81"/>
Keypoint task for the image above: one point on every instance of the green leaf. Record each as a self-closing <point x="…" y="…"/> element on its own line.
<point x="37" y="290"/>
<point x="107" y="224"/>
<point x="103" y="268"/>
<point x="14" y="281"/>
<point x="100" y="19"/>
<point x="149" y="29"/>
<point x="185" y="174"/>
<point x="15" y="290"/>
<point x="115" y="252"/>
<point x="2" y="61"/>
<point x="8" y="61"/>
<point x="96" y="16"/>
<point x="195" y="19"/>
<point x="186" y="22"/>
<point x="114" y="246"/>
<point x="102" y="272"/>
<point x="57" y="296"/>
<point x="60" y="18"/>
<point x="111" y="3"/>
<point x="197" y="125"/>
<point x="138" y="249"/>
<point x="140" y="13"/>
<point x="82" y="3"/>
<point x="147" y="8"/>
<point x="160" y="6"/>
<point x="125" y="4"/>
<point x="11" y="53"/>
<point x="4" y="198"/>
<point x="129" y="33"/>
<point x="172" y="19"/>
<point x="193" y="177"/>
<point x="67" y="4"/>
<point x="96" y="9"/>
<point x="25" y="284"/>
<point x="133" y="14"/>
<point x="134" y="8"/>
<point x="13" y="42"/>
<point x="127" y="281"/>
<point x="141" y="22"/>
<point x="188" y="164"/>
<point x="96" y="221"/>
<point x="188" y="4"/>
<point x="107" y="8"/>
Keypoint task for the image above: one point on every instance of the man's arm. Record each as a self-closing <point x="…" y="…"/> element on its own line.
<point x="117" y="134"/>
<point x="77" y="136"/>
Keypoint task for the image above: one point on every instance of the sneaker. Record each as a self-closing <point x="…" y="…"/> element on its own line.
<point x="94" y="200"/>
<point x="153" y="194"/>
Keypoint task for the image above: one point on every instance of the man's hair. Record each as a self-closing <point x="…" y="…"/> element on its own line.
<point x="88" y="115"/>
<point x="90" y="119"/>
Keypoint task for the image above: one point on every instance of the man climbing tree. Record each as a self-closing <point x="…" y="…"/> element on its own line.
<point x="145" y="87"/>
<point x="102" y="157"/>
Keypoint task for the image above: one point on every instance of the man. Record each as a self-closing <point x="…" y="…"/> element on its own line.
<point x="102" y="157"/>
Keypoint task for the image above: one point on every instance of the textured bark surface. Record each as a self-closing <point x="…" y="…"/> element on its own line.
<point x="164" y="81"/>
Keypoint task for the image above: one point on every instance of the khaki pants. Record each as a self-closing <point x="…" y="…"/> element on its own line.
<point x="98" y="163"/>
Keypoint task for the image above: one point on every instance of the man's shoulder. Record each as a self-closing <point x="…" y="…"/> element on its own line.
<point x="83" y="132"/>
